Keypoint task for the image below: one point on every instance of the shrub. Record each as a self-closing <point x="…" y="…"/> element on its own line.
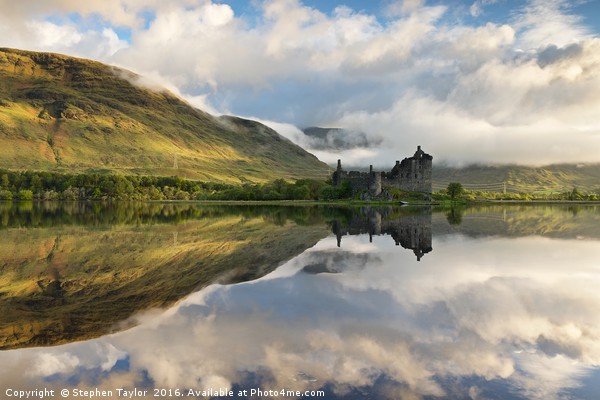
<point x="25" y="195"/>
<point x="6" y="195"/>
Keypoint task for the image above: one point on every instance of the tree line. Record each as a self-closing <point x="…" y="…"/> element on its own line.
<point x="37" y="185"/>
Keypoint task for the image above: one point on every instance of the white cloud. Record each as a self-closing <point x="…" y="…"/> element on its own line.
<point x="412" y="78"/>
<point x="49" y="35"/>
<point x="477" y="7"/>
<point x="401" y="7"/>
<point x="65" y="38"/>
<point x="548" y="22"/>
<point x="288" y="131"/>
<point x="117" y="12"/>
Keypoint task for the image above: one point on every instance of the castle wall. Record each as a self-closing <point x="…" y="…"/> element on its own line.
<point x="360" y="181"/>
<point x="412" y="175"/>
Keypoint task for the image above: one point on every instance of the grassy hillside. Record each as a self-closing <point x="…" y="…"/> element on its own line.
<point x="66" y="114"/>
<point x="552" y="178"/>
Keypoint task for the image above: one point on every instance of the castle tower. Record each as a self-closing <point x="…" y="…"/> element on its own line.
<point x="419" y="153"/>
<point x="338" y="174"/>
<point x="374" y="183"/>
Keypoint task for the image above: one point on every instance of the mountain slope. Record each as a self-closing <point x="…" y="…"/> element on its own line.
<point x="519" y="178"/>
<point x="66" y="114"/>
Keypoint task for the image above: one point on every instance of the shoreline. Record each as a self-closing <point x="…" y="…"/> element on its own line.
<point x="357" y="203"/>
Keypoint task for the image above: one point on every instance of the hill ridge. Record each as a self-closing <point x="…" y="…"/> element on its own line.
<point x="521" y="178"/>
<point x="68" y="114"/>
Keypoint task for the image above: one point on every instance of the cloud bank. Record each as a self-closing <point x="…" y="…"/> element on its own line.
<point x="517" y="315"/>
<point x="467" y="87"/>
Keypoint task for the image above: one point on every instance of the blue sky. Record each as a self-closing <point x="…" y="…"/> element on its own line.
<point x="518" y="80"/>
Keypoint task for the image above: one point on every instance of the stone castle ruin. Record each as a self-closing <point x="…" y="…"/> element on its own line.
<point x="413" y="174"/>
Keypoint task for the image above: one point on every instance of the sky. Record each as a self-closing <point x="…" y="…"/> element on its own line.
<point x="486" y="81"/>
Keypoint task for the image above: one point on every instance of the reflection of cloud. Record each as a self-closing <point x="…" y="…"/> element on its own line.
<point x="516" y="312"/>
<point x="337" y="261"/>
<point x="49" y="364"/>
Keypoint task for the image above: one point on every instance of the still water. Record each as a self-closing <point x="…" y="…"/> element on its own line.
<point x="187" y="301"/>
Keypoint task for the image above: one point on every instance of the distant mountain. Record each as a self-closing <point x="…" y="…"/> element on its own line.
<point x="67" y="114"/>
<point x="336" y="138"/>
<point x="516" y="178"/>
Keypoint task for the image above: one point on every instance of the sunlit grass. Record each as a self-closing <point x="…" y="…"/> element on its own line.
<point x="96" y="119"/>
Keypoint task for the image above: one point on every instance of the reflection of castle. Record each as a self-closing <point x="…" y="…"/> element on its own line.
<point x="409" y="231"/>
<point x="413" y="174"/>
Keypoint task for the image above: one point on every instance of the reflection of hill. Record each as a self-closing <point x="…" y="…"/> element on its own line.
<point x="71" y="272"/>
<point x="411" y="230"/>
<point x="75" y="282"/>
<point x="100" y="214"/>
<point x="550" y="220"/>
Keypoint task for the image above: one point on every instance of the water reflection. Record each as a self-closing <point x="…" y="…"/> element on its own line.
<point x="455" y="215"/>
<point x="411" y="229"/>
<point x="103" y="214"/>
<point x="75" y="271"/>
<point x="549" y="220"/>
<point x="494" y="312"/>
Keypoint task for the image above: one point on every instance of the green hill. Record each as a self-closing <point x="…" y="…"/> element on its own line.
<point x="518" y="178"/>
<point x="65" y="114"/>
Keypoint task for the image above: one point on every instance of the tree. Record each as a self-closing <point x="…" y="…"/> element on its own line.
<point x="455" y="190"/>
<point x="4" y="182"/>
<point x="36" y="184"/>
